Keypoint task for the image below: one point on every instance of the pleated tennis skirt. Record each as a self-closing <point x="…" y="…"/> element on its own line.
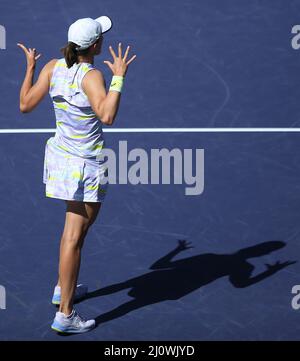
<point x="70" y="177"/>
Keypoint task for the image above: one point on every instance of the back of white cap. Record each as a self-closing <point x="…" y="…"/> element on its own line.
<point x="84" y="32"/>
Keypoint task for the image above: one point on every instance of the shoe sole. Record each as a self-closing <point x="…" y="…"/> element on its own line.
<point x="70" y="332"/>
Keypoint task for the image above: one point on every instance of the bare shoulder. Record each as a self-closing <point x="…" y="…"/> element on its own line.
<point x="48" y="68"/>
<point x="51" y="64"/>
<point x="93" y="80"/>
<point x="94" y="74"/>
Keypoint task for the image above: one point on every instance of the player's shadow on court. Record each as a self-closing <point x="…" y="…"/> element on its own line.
<point x="171" y="280"/>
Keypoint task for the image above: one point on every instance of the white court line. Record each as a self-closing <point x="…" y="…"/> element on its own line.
<point x="165" y="130"/>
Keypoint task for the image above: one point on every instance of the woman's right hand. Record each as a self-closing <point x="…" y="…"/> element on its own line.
<point x="31" y="55"/>
<point x="120" y="65"/>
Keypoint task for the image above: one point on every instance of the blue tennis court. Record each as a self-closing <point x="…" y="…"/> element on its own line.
<point x="217" y="76"/>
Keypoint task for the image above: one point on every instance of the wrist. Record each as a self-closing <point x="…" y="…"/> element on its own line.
<point x="31" y="67"/>
<point x="117" y="83"/>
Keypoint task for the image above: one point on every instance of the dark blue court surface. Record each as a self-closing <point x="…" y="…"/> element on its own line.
<point x="204" y="63"/>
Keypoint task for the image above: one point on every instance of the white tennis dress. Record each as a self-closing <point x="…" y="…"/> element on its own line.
<point x="73" y="168"/>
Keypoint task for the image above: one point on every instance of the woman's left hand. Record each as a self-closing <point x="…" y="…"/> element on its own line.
<point x="31" y="55"/>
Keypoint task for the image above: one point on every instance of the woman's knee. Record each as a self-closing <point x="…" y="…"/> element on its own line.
<point x="75" y="237"/>
<point x="80" y="217"/>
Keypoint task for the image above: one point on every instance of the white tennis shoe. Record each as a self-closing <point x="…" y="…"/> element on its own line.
<point x="72" y="323"/>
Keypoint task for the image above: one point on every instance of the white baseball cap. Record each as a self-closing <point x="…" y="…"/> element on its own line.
<point x="84" y="32"/>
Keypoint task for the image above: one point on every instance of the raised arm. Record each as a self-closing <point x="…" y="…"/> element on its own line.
<point x="106" y="105"/>
<point x="165" y="261"/>
<point x="241" y="277"/>
<point x="31" y="95"/>
<point x="93" y="85"/>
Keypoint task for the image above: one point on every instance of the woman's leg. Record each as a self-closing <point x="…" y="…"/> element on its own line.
<point x="79" y="217"/>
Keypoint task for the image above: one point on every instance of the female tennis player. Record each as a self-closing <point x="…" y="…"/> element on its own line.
<point x="73" y="169"/>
